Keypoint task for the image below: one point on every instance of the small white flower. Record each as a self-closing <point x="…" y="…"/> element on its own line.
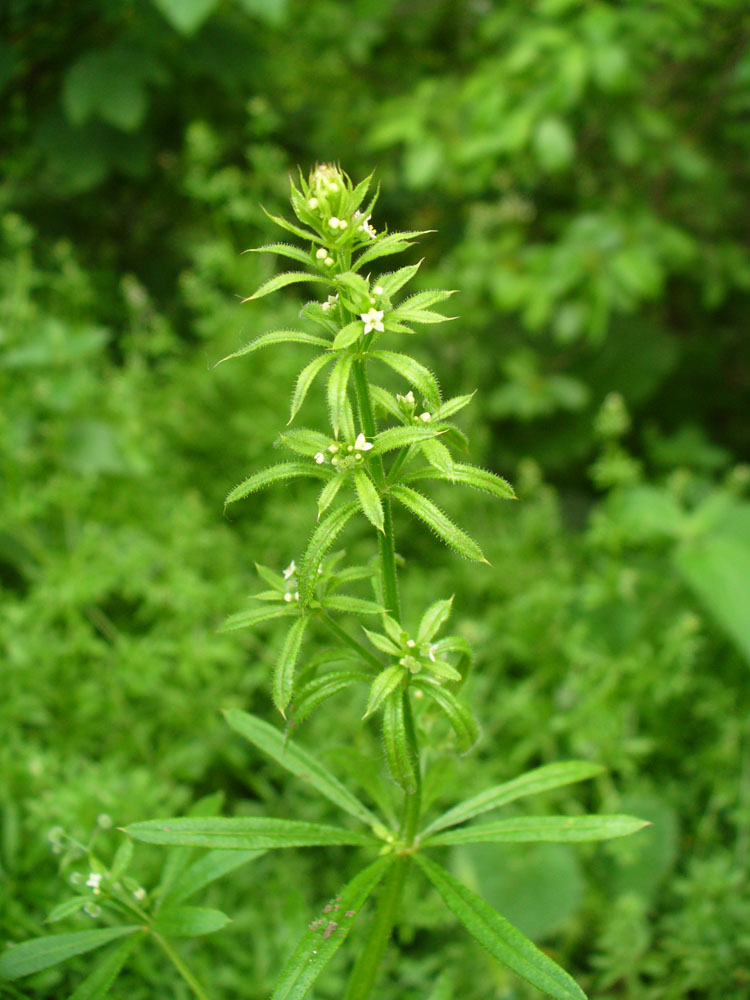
<point x="333" y="448"/>
<point x="320" y="458"/>
<point x="362" y="444"/>
<point x="104" y="821"/>
<point x="93" y="881"/>
<point x="321" y="253"/>
<point x="140" y="894"/>
<point x="431" y="652"/>
<point x="367" y="228"/>
<point x="425" y="417"/>
<point x="287" y="598"/>
<point x="373" y="320"/>
<point x="411" y="643"/>
<point x="296" y="595"/>
<point x="290" y="570"/>
<point x="325" y="306"/>
<point x="333" y="222"/>
<point x="343" y="223"/>
<point x="328" y="262"/>
<point x="378" y="290"/>
<point x="333" y="186"/>
<point x="312" y="203"/>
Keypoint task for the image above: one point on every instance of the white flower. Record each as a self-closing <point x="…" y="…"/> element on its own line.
<point x="333" y="222"/>
<point x="343" y="223"/>
<point x="333" y="448"/>
<point x="362" y="444"/>
<point x="287" y="598"/>
<point x="373" y="320"/>
<point x="328" y="262"/>
<point x="93" y="881"/>
<point x="431" y="652"/>
<point x="411" y="643"/>
<point x="320" y="458"/>
<point x="312" y="203"/>
<point x="140" y="894"/>
<point x="378" y="290"/>
<point x="425" y="417"/>
<point x="408" y="398"/>
<point x="332" y="301"/>
<point x="321" y="253"/>
<point x="290" y="570"/>
<point x="325" y="306"/>
<point x="367" y="228"/>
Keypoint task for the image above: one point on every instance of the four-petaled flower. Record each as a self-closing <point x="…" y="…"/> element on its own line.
<point x="93" y="881"/>
<point x="362" y="444"/>
<point x="373" y="320"/>
<point x="290" y="570"/>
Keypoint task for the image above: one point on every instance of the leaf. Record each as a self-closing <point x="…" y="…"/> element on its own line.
<point x="43" y="952"/>
<point x="243" y="833"/>
<point x="348" y="335"/>
<point x="110" y="84"/>
<point x="369" y="498"/>
<point x="338" y="387"/>
<point x="318" y="690"/>
<point x="351" y="605"/>
<point x="298" y="762"/>
<point x="291" y="227"/>
<point x="398" y="749"/>
<point x="416" y="374"/>
<point x="329" y="492"/>
<point x="433" y="620"/>
<point x="274" y="474"/>
<point x="186" y="15"/>
<point x="541" y="779"/>
<point x="207" y="869"/>
<point x="255" y="616"/>
<point x="421" y="300"/>
<point x="451" y="406"/>
<point x="283" y="674"/>
<point x="439" y="457"/>
<point x="439" y="522"/>
<point x="189" y="921"/>
<point x="97" y="984"/>
<point x="67" y="908"/>
<point x="467" y="475"/>
<point x="402" y="437"/>
<point x="390" y="244"/>
<point x="285" y="250"/>
<point x="382" y="643"/>
<point x="462" y="721"/>
<point x="303" y="441"/>
<point x="327" y="933"/>
<point x="305" y="379"/>
<point x="121" y="862"/>
<point x="386" y="401"/>
<point x="323" y="537"/>
<point x="384" y="684"/>
<point x="393" y="281"/>
<point x="277" y="337"/>
<point x="499" y="937"/>
<point x="282" y="280"/>
<point x="551" y="829"/>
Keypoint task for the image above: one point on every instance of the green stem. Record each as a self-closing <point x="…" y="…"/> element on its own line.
<point x="183" y="970"/>
<point x="367" y="965"/>
<point x="357" y="646"/>
<point x="412" y="802"/>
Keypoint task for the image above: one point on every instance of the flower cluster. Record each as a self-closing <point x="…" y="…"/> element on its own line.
<point x="345" y="456"/>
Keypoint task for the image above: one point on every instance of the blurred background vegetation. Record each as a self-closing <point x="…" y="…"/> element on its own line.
<point x="586" y="167"/>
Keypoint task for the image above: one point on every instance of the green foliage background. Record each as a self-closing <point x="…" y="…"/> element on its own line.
<point x="586" y="167"/>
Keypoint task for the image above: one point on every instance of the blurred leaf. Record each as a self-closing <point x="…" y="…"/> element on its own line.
<point x="189" y="921"/>
<point x="186" y="15"/>
<point x="242" y="833"/>
<point x="41" y="953"/>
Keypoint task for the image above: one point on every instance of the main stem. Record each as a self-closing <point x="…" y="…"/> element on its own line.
<point x="366" y="968"/>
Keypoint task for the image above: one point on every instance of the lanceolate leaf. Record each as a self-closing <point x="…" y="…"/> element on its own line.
<point x="277" y="337"/>
<point x="207" y="869"/>
<point x="433" y="620"/>
<point x="282" y="280"/>
<point x="395" y="280"/>
<point x="283" y="675"/>
<point x="305" y="234"/>
<point x="468" y="475"/>
<point x="285" y="250"/>
<point x="541" y="779"/>
<point x="255" y="616"/>
<point x="420" y="377"/>
<point x="41" y="953"/>
<point x="97" y="984"/>
<point x="327" y="933"/>
<point x="384" y="684"/>
<point x="299" y="762"/>
<point x="275" y="474"/>
<point x="533" y="829"/>
<point x="189" y="921"/>
<point x="458" y="715"/>
<point x="351" y="605"/>
<point x="243" y="833"/>
<point x="325" y="534"/>
<point x="347" y="335"/>
<point x="439" y="457"/>
<point x="338" y="385"/>
<point x="390" y="244"/>
<point x="440" y="523"/>
<point x="398" y="754"/>
<point x="305" y="379"/>
<point x="320" y="689"/>
<point x="329" y="492"/>
<point x="501" y="939"/>
<point x="303" y="441"/>
<point x="401" y="437"/>
<point x="369" y="499"/>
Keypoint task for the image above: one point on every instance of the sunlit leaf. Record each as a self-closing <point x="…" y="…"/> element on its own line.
<point x="242" y="833"/>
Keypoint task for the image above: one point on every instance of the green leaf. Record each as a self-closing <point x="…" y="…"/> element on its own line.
<point x="323" y="537"/>
<point x="298" y="762"/>
<point x="243" y="833"/>
<point x="369" y="498"/>
<point x="282" y="280"/>
<point x="439" y="457"/>
<point x="385" y="245"/>
<point x="338" y="387"/>
<point x="320" y="689"/>
<point x="41" y="953"/>
<point x="255" y="616"/>
<point x="291" y="227"/>
<point x="189" y="921"/>
<point x="275" y="474"/>
<point x="285" y="250"/>
<point x="283" y="674"/>
<point x="327" y="933"/>
<point x="398" y="750"/>
<point x="205" y="870"/>
<point x="384" y="684"/>
<point x="467" y="475"/>
<point x="532" y="829"/>
<point x="110" y="84"/>
<point x="303" y="441"/>
<point x="381" y="642"/>
<point x="421" y="300"/>
<point x="541" y="779"/>
<point x="393" y="281"/>
<point x="401" y="437"/>
<point x="351" y="605"/>
<point x="348" y="335"/>
<point x="277" y="337"/>
<point x="97" y="984"/>
<point x="439" y="522"/>
<point x="499" y="937"/>
<point x="67" y="908"/>
<point x="386" y="401"/>
<point x="329" y="492"/>
<point x="433" y="620"/>
<point x="305" y="379"/>
<point x="415" y="373"/>
<point x="451" y="406"/>
<point x="462" y="721"/>
<point x="186" y="15"/>
<point x="121" y="862"/>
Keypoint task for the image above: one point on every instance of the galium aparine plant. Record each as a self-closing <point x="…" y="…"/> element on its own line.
<point x="381" y="449"/>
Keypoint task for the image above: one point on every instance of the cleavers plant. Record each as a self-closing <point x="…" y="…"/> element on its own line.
<point x="380" y="445"/>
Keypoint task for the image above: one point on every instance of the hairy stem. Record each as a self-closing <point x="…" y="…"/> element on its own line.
<point x="357" y="646"/>
<point x="177" y="962"/>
